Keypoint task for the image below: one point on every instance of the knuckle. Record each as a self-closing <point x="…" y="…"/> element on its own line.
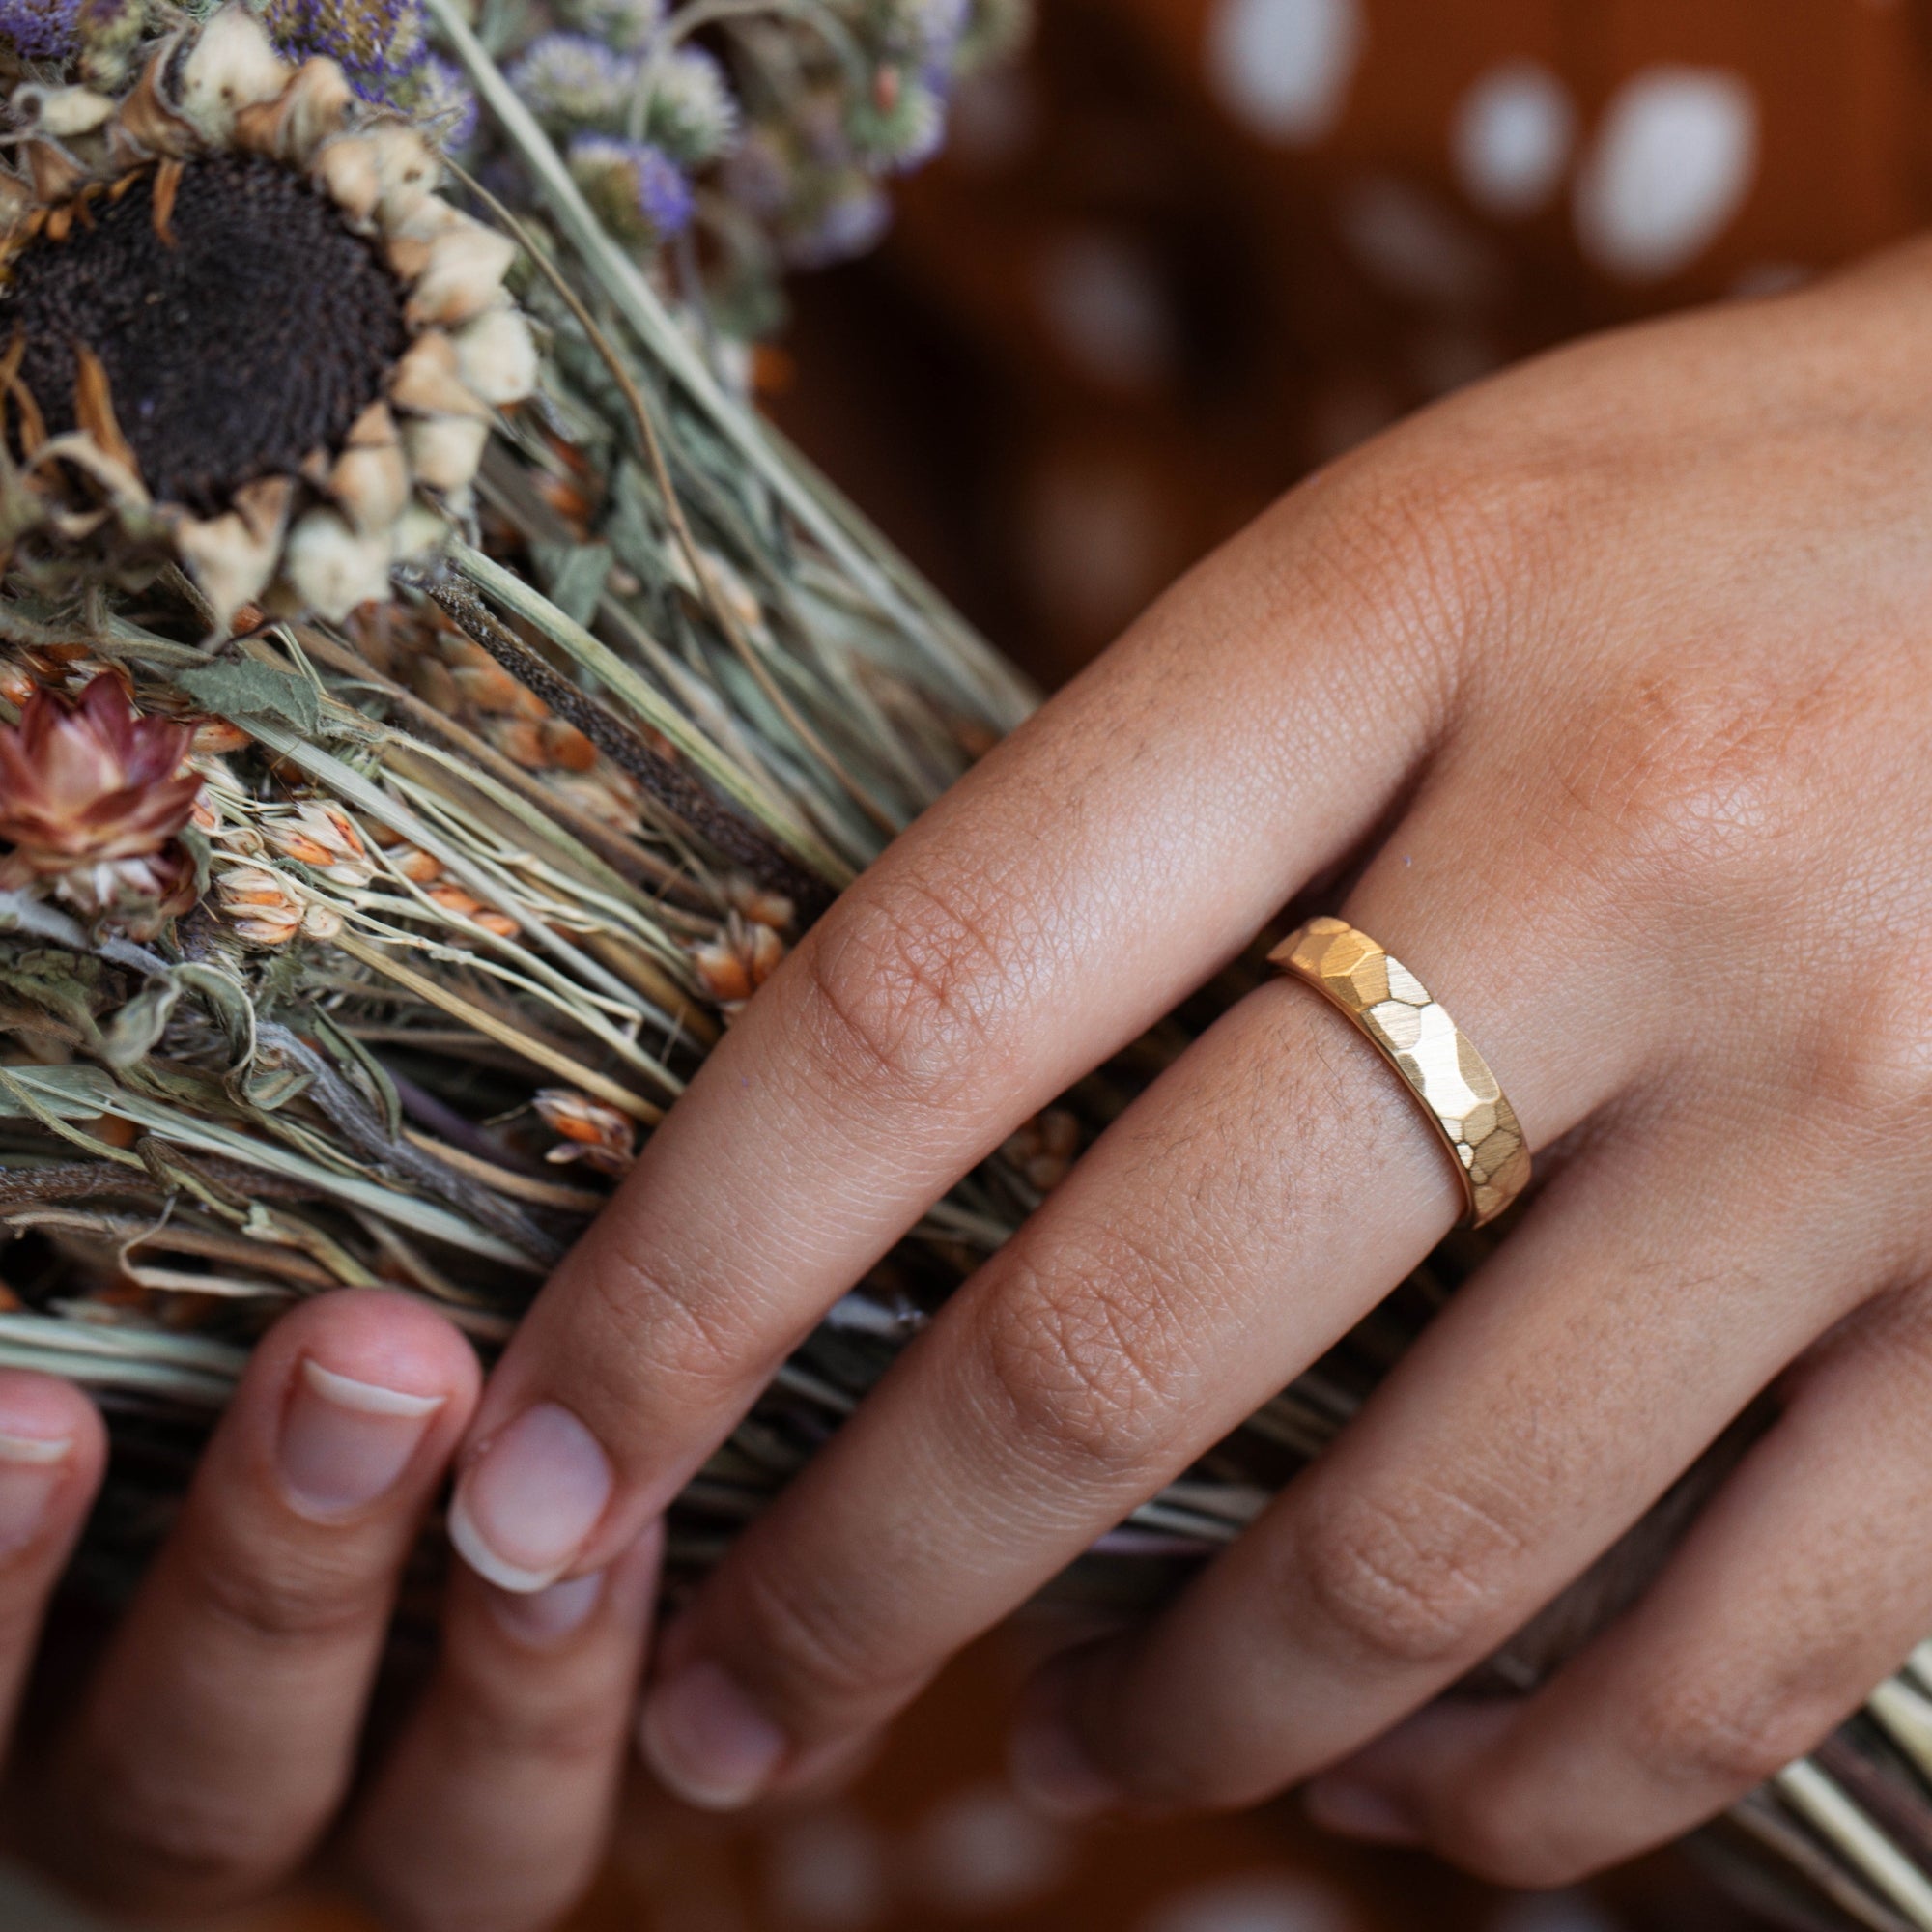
<point x="693" y="1337"/>
<point x="1406" y="1578"/>
<point x="1708" y="1741"/>
<point x="1868" y="1058"/>
<point x="1500" y="1833"/>
<point x="308" y="1599"/>
<point x="159" y="1842"/>
<point x="813" y="1643"/>
<point x="1432" y="549"/>
<point x="904" y="985"/>
<point x="1087" y="1362"/>
<point x="559" y="1735"/>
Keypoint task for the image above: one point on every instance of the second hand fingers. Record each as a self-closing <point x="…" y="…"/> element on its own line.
<point x="492" y="1807"/>
<point x="219" y="1735"/>
<point x="53" y="1451"/>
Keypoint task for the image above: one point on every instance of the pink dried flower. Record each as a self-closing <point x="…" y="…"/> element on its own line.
<point x="83" y="785"/>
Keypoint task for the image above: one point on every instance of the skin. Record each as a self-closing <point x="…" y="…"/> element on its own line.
<point x="208" y="1755"/>
<point x="1609" y="683"/>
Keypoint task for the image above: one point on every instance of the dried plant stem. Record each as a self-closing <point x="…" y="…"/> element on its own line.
<point x="700" y="565"/>
<point x="669" y="783"/>
<point x="538" y="1051"/>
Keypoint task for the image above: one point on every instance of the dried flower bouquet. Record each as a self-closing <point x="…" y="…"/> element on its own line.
<point x="429" y="714"/>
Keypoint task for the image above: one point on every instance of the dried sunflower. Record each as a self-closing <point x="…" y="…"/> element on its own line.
<point x="245" y="333"/>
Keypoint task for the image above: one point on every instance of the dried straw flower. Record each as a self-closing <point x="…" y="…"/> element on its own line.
<point x="248" y="331"/>
<point x="93" y="799"/>
<point x="590" y="1132"/>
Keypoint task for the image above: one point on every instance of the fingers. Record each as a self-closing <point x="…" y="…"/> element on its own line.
<point x="218" y="1737"/>
<point x="1551" y="1402"/>
<point x="1804" y="1584"/>
<point x="1241" y="1218"/>
<point x="52" y="1452"/>
<point x="491" y="1812"/>
<point x="1094" y="869"/>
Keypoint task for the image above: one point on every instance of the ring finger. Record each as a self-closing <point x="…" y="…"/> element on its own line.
<point x="1519" y="1438"/>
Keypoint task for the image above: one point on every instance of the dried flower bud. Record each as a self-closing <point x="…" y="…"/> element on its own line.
<point x="627" y="25"/>
<point x="634" y="186"/>
<point x="694" y="116"/>
<point x="734" y="965"/>
<point x="258" y="904"/>
<point x="332" y="567"/>
<point x="420" y="867"/>
<point x="572" y="81"/>
<point x="496" y="358"/>
<point x="322" y="835"/>
<point x="590" y="1132"/>
<point x="762" y="907"/>
<point x="230" y="67"/>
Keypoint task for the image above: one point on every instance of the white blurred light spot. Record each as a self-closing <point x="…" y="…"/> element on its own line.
<point x="1282" y="68"/>
<point x="827" y="1873"/>
<point x="1105" y="307"/>
<point x="1512" y="138"/>
<point x="1260" y="1903"/>
<point x="1415" y="246"/>
<point x="1671" y="164"/>
<point x="981" y="1850"/>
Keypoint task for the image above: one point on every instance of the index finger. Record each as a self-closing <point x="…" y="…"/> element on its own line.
<point x="1096" y="866"/>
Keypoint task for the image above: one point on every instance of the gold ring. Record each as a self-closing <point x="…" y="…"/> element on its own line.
<point x="1431" y="1053"/>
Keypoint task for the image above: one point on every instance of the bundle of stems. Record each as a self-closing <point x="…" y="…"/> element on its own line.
<point x="483" y="873"/>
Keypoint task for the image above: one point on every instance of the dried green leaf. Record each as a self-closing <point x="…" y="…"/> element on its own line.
<point x="241" y="688"/>
<point x="573" y="575"/>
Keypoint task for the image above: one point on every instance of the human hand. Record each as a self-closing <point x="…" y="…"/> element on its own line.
<point x="1610" y="683"/>
<point x="212" y="1750"/>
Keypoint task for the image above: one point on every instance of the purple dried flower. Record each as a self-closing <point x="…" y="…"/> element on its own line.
<point x="638" y="192"/>
<point x="444" y="101"/>
<point x="377" y="43"/>
<point x="570" y="80"/>
<point x="848" y="222"/>
<point x="41" y="30"/>
<point x="693" y="115"/>
<point x="627" y="25"/>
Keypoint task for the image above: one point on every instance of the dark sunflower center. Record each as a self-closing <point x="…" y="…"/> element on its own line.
<point x="249" y="328"/>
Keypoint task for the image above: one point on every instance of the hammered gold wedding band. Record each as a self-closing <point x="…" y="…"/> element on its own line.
<point x="1431" y="1053"/>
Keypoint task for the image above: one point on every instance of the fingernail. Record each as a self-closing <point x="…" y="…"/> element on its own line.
<point x="528" y="1504"/>
<point x="1352" y="1810"/>
<point x="541" y="1618"/>
<point x="1050" y="1769"/>
<point x="707" y="1742"/>
<point x="345" y="1443"/>
<point x="30" y="1469"/>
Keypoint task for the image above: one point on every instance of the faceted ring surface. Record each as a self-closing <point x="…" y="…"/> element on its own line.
<point x="1435" y="1059"/>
